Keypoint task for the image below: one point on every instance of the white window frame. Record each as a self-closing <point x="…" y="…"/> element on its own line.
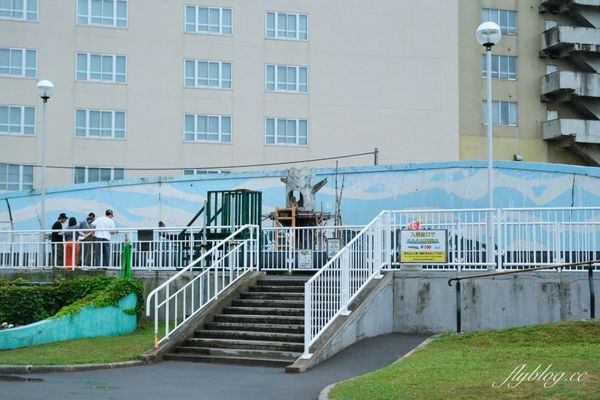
<point x="87" y="173"/>
<point x="28" y="8"/>
<point x="495" y="15"/>
<point x="294" y="87"/>
<point x="197" y="133"/>
<point x="196" y="76"/>
<point x="87" y="17"/>
<point x="502" y="69"/>
<point x="296" y="139"/>
<point x="113" y="129"/>
<point x="499" y="111"/>
<point x="14" y="52"/>
<point x="4" y="181"/>
<point x="88" y="71"/>
<point x="297" y="33"/>
<point x="21" y="123"/>
<point x="196" y="23"/>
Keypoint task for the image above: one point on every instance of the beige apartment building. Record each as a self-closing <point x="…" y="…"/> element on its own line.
<point x="147" y="88"/>
<point x="213" y="84"/>
<point x="546" y="86"/>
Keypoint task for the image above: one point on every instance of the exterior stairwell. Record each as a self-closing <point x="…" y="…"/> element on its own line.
<point x="265" y="326"/>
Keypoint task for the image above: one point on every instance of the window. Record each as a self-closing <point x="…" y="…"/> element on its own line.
<point x="204" y="172"/>
<point x="208" y="74"/>
<point x="18" y="62"/>
<point x="286" y="26"/>
<point x="21" y="10"/>
<point x="506" y="19"/>
<point x="286" y="78"/>
<point x="213" y="20"/>
<point x="17" y="120"/>
<point x="503" y="113"/>
<point x="207" y="128"/>
<point x="93" y="174"/>
<point x="286" y="131"/>
<point x="101" y="67"/>
<point x="15" y="177"/>
<point x="100" y="124"/>
<point x="102" y="12"/>
<point x="503" y="67"/>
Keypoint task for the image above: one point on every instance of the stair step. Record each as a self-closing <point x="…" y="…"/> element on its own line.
<point x="268" y="303"/>
<point x="265" y="362"/>
<point x="272" y="296"/>
<point x="276" y="289"/>
<point x="250" y="335"/>
<point x="260" y="319"/>
<point x="245" y="353"/>
<point x="253" y="327"/>
<point x="244" y="344"/>
<point x="282" y="281"/>
<point x="264" y="311"/>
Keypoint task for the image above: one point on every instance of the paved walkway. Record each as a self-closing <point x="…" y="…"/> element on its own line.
<point x="199" y="381"/>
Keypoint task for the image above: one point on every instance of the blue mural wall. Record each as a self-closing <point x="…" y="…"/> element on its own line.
<point x="366" y="191"/>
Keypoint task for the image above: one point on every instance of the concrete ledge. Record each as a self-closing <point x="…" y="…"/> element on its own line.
<point x="32" y="369"/>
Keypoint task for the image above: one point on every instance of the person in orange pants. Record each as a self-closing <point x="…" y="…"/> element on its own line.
<point x="71" y="245"/>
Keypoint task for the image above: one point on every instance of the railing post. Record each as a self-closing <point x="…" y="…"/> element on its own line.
<point x="592" y="295"/>
<point x="458" y="307"/>
<point x="344" y="282"/>
<point x="500" y="248"/>
<point x="307" y="320"/>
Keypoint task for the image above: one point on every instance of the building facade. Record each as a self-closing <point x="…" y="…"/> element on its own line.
<point x="546" y="87"/>
<point x="172" y="87"/>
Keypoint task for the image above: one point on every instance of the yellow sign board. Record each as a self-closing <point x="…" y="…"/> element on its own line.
<point x="423" y="246"/>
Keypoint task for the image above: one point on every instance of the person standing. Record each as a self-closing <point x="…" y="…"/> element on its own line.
<point x="71" y="245"/>
<point x="87" y="238"/>
<point x="105" y="227"/>
<point x="58" y="250"/>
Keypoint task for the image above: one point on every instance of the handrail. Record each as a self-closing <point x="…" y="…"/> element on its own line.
<point x="216" y="267"/>
<point x="368" y="260"/>
<point x="567" y="265"/>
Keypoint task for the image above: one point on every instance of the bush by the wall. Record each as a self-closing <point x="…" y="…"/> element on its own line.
<point x="21" y="305"/>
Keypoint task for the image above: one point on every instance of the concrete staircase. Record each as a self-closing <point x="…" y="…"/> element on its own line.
<point x="265" y="326"/>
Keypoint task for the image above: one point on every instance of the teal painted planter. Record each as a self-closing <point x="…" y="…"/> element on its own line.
<point x="87" y="322"/>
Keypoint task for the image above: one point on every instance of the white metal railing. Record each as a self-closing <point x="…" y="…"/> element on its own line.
<point x="329" y="292"/>
<point x="220" y="267"/>
<point x="467" y="235"/>
<point x="533" y="237"/>
<point x="152" y="248"/>
<point x="301" y="248"/>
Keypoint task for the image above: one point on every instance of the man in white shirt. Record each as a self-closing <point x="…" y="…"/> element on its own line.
<point x="105" y="227"/>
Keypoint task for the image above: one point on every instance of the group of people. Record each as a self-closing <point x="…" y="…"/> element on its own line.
<point x="91" y="236"/>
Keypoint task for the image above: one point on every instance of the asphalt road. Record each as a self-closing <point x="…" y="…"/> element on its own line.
<point x="200" y="381"/>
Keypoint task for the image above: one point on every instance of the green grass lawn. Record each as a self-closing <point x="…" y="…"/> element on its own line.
<point x="85" y="351"/>
<point x="476" y="366"/>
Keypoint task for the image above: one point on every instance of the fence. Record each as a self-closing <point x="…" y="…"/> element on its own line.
<point x="329" y="292"/>
<point x="523" y="237"/>
<point x="220" y="267"/>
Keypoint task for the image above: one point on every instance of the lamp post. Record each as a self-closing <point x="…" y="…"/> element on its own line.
<point x="45" y="89"/>
<point x="488" y="34"/>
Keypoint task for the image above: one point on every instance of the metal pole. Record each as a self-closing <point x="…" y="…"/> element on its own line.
<point x="376" y="156"/>
<point x="490" y="175"/>
<point x="458" y="307"/>
<point x="592" y="295"/>
<point x="43" y="188"/>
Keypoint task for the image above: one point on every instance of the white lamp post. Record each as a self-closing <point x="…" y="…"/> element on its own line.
<point x="488" y="34"/>
<point x="45" y="89"/>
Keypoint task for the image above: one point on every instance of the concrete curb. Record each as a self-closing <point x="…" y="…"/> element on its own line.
<point x="324" y="394"/>
<point x="32" y="369"/>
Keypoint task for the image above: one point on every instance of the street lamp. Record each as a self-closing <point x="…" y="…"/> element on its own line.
<point x="45" y="89"/>
<point x="488" y="34"/>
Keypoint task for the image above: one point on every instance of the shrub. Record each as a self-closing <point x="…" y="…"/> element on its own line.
<point x="21" y="305"/>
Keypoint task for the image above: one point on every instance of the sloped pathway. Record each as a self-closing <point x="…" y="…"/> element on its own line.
<point x="199" y="381"/>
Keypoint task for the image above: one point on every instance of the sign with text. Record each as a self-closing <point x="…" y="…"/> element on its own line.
<point x="424" y="246"/>
<point x="333" y="247"/>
